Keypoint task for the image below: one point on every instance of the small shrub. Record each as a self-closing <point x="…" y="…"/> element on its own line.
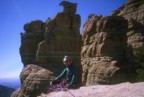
<point x="139" y="54"/>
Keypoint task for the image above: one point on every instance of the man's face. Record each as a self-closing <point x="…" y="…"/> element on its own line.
<point x="66" y="62"/>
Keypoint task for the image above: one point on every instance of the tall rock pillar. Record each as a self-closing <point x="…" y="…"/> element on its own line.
<point x="62" y="37"/>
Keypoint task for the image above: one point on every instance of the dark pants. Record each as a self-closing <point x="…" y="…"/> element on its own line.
<point x="55" y="82"/>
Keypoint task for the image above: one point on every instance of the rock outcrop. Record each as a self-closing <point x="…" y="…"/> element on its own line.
<point x="32" y="36"/>
<point x="43" y="46"/>
<point x="102" y="55"/>
<point x="112" y="38"/>
<point x="106" y="56"/>
<point x="62" y="37"/>
<point x="133" y="11"/>
<point x="34" y="80"/>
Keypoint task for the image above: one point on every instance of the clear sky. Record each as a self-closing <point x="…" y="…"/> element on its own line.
<point x="15" y="13"/>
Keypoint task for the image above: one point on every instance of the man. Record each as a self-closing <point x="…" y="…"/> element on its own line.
<point x="68" y="75"/>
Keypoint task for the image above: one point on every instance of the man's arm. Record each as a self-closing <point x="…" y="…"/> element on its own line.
<point x="62" y="75"/>
<point x="73" y="79"/>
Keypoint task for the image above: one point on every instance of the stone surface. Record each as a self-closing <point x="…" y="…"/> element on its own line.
<point x="118" y="90"/>
<point x="102" y="55"/>
<point x="43" y="46"/>
<point x="29" y="40"/>
<point x="106" y="56"/>
<point x="34" y="80"/>
<point x="112" y="38"/>
<point x="62" y="37"/>
<point x="133" y="11"/>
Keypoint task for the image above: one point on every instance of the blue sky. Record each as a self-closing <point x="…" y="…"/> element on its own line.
<point x="15" y="13"/>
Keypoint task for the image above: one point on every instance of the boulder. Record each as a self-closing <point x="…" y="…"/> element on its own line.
<point x="34" y="80"/>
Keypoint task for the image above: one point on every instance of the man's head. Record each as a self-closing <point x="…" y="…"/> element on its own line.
<point x="67" y="60"/>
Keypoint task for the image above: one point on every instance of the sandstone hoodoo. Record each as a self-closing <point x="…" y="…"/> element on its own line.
<point x="43" y="46"/>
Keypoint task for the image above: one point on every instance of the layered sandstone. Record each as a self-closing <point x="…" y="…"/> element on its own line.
<point x="108" y="44"/>
<point x="62" y="37"/>
<point x="32" y="36"/>
<point x="133" y="11"/>
<point x="103" y="55"/>
<point x="106" y="56"/>
<point x="43" y="46"/>
<point x="34" y="81"/>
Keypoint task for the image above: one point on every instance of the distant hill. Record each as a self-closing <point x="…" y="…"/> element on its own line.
<point x="5" y="91"/>
<point x="10" y="82"/>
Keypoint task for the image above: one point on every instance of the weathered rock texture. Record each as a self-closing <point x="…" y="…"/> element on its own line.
<point x="133" y="11"/>
<point x="62" y="37"/>
<point x="117" y="90"/>
<point x="32" y="36"/>
<point x="108" y="43"/>
<point x="34" y="80"/>
<point x="43" y="46"/>
<point x="106" y="57"/>
<point x="106" y="48"/>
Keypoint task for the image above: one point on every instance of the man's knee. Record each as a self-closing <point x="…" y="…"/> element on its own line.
<point x="55" y="82"/>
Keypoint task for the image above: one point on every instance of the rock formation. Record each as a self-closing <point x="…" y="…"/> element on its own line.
<point x="103" y="54"/>
<point x="106" y="56"/>
<point x="43" y="46"/>
<point x="32" y="36"/>
<point x="62" y="37"/>
<point x="112" y="38"/>
<point x="133" y="11"/>
<point x="34" y="80"/>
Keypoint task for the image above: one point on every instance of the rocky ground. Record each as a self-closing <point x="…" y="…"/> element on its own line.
<point x="118" y="90"/>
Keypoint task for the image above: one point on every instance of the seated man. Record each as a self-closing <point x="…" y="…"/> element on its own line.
<point x="68" y="75"/>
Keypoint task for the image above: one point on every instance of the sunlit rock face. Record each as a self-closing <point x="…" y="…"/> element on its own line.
<point x="118" y="90"/>
<point x="43" y="46"/>
<point x="34" y="81"/>
<point x="102" y="55"/>
<point x="32" y="36"/>
<point x="61" y="37"/>
<point x="133" y="11"/>
<point x="112" y="38"/>
<point x="106" y="56"/>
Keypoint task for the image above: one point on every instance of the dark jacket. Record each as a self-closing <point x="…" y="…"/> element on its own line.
<point x="69" y="74"/>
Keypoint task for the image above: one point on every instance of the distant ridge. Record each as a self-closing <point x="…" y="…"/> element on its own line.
<point x="10" y="82"/>
<point x="5" y="91"/>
